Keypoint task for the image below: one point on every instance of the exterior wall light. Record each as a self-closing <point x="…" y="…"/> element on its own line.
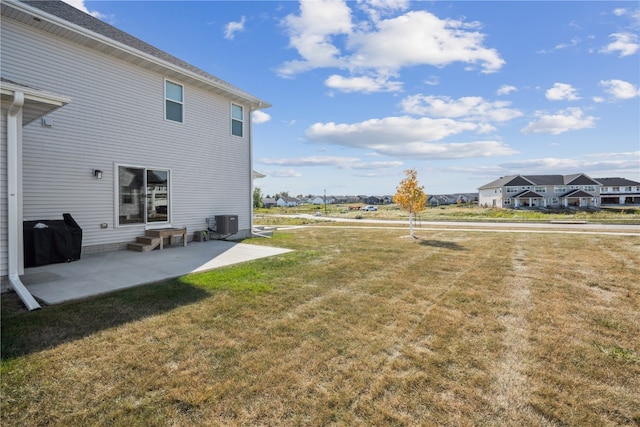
<point x="97" y="173"/>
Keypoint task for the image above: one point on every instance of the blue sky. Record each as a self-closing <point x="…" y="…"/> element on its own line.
<point x="464" y="92"/>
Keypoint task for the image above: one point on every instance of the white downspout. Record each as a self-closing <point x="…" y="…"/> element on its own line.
<point x="249" y="129"/>
<point x="13" y="220"/>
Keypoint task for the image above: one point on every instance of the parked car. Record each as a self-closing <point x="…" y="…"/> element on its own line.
<point x="369" y="208"/>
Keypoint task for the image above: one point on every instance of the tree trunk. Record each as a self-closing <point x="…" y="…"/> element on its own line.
<point x="411" y="224"/>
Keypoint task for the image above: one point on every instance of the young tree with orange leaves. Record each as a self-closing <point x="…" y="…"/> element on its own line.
<point x="410" y="196"/>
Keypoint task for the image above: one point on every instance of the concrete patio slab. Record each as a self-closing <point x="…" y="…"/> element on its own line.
<point x="97" y="274"/>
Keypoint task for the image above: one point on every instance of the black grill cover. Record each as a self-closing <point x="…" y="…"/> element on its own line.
<point x="60" y="241"/>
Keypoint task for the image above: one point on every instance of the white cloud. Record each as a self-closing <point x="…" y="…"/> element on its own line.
<point x="619" y="11"/>
<point x="260" y="116"/>
<point x="472" y="108"/>
<point x="634" y="14"/>
<point x="339" y="162"/>
<point x="620" y="89"/>
<point x="283" y="173"/>
<point x="506" y="89"/>
<point x="311" y="32"/>
<point x="362" y="84"/>
<point x="421" y="38"/>
<point x="625" y="43"/>
<point x="562" y="92"/>
<point x="233" y="27"/>
<point x="325" y="35"/>
<point x="444" y="151"/>
<point x="574" y="42"/>
<point x="590" y="164"/>
<point x="555" y="124"/>
<point x="377" y="8"/>
<point x="388" y="130"/>
<point x="432" y="81"/>
<point x="407" y="137"/>
<point x="79" y="4"/>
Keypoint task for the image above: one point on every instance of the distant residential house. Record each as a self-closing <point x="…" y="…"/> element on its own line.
<point x="268" y="202"/>
<point x="541" y="191"/>
<point x="433" y="200"/>
<point x="350" y="199"/>
<point x="373" y="200"/>
<point x="114" y="131"/>
<point x="448" y="199"/>
<point x="466" y="197"/>
<point x="321" y="200"/>
<point x="619" y="191"/>
<point x="451" y="199"/>
<point x="340" y="199"/>
<point x="288" y="202"/>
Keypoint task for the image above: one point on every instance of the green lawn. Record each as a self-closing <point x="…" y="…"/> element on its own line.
<point x="355" y="327"/>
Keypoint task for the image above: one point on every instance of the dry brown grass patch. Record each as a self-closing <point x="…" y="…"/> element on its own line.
<point x="355" y="327"/>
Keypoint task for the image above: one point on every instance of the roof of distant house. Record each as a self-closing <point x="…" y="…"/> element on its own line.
<point x="618" y="182"/>
<point x="526" y="180"/>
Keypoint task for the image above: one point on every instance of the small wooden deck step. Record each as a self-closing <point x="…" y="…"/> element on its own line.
<point x="144" y="244"/>
<point x="155" y="238"/>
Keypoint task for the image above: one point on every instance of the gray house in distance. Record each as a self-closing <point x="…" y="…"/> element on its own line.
<point x="619" y="191"/>
<point x="541" y="191"/>
<point x="121" y="135"/>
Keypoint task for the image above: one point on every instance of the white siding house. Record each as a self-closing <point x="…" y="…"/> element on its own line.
<point x="119" y="134"/>
<point x="619" y="191"/>
<point x="287" y="201"/>
<point x="541" y="191"/>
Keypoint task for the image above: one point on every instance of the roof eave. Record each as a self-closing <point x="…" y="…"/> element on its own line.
<point x="110" y="46"/>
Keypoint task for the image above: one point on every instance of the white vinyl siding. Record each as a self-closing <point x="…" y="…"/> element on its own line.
<point x="115" y="117"/>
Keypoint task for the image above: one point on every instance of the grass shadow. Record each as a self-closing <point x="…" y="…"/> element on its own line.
<point x="25" y="332"/>
<point x="443" y="244"/>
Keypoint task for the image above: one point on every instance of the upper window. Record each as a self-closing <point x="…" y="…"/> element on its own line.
<point x="173" y="101"/>
<point x="237" y="119"/>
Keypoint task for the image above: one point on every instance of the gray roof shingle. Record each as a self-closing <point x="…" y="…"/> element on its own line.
<point x="617" y="182"/>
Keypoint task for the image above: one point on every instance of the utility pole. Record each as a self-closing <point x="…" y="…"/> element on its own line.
<point x="325" y="201"/>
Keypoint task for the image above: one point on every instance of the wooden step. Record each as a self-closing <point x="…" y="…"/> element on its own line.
<point x="148" y="240"/>
<point x="144" y="244"/>
<point x="169" y="233"/>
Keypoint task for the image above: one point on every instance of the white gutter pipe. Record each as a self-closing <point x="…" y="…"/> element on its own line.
<point x="13" y="202"/>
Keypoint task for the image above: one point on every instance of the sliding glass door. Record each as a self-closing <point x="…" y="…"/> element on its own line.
<point x="157" y="195"/>
<point x="143" y="195"/>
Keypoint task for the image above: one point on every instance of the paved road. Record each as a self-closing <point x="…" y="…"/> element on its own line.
<point x="552" y="226"/>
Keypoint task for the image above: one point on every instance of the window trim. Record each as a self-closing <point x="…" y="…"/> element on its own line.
<point x="234" y="119"/>
<point x="167" y="99"/>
